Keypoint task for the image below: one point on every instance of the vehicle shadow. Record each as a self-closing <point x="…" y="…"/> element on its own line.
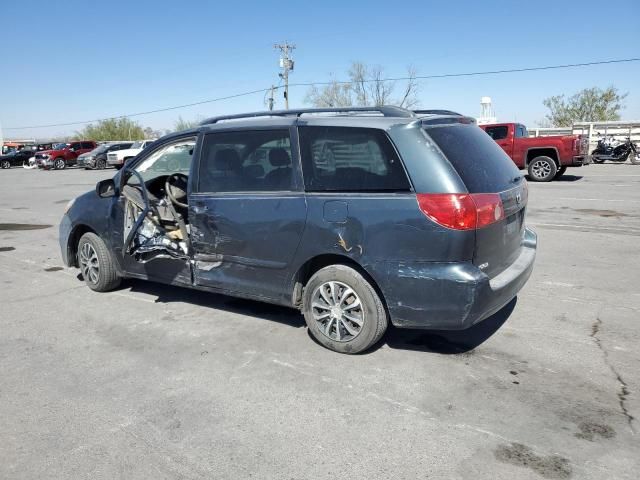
<point x="445" y="342"/>
<point x="568" y="178"/>
<point x="563" y="178"/>
<point x="241" y="306"/>
<point x="449" y="342"/>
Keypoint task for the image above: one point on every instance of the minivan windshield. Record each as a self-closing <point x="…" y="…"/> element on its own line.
<point x="482" y="165"/>
<point x="137" y="144"/>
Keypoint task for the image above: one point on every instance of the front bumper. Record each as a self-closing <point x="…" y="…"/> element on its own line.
<point x="44" y="162"/>
<point x="85" y="161"/>
<point x="114" y="161"/>
<point x="453" y="296"/>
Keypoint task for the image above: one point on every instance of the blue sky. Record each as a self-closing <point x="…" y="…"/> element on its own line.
<point x="66" y="61"/>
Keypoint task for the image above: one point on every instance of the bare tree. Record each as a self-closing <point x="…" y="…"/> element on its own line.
<point x="335" y="94"/>
<point x="358" y="74"/>
<point x="367" y="86"/>
<point x="409" y="98"/>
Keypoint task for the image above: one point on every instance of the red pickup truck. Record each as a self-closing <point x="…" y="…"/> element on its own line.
<point x="545" y="158"/>
<point x="63" y="154"/>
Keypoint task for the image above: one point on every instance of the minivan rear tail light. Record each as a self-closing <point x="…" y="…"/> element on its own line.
<point x="462" y="211"/>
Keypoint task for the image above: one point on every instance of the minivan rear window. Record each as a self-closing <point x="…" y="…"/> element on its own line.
<point x="481" y="163"/>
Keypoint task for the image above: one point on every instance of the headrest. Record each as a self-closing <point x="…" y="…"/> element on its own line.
<point x="278" y="157"/>
<point x="227" y="159"/>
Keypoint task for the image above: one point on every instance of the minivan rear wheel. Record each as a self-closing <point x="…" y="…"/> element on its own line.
<point x="542" y="169"/>
<point x="342" y="310"/>
<point x="96" y="263"/>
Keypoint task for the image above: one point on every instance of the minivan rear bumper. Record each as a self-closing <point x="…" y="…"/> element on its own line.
<point x="453" y="296"/>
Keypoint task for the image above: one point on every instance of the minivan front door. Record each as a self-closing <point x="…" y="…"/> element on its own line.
<point x="247" y="212"/>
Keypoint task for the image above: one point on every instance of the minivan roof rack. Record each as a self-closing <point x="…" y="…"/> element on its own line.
<point x="385" y="110"/>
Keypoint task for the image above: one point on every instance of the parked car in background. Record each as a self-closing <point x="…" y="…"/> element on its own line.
<point x="359" y="219"/>
<point x="16" y="158"/>
<point x="545" y="158"/>
<point x="118" y="158"/>
<point x="63" y="154"/>
<point x="97" y="158"/>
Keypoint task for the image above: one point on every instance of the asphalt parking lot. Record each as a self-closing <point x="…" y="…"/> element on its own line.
<point x="160" y="382"/>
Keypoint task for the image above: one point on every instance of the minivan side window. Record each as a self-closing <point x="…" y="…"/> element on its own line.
<point x="344" y="159"/>
<point x="246" y="161"/>
<point x="88" y="145"/>
<point x="497" y="133"/>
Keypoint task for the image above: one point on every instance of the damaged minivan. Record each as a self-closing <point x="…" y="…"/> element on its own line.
<point x="356" y="216"/>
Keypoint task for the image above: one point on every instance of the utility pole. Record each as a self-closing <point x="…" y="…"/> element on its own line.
<point x="270" y="99"/>
<point x="286" y="64"/>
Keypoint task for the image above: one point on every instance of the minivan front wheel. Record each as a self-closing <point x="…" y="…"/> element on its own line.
<point x="59" y="164"/>
<point x="96" y="264"/>
<point x="542" y="169"/>
<point x="342" y="310"/>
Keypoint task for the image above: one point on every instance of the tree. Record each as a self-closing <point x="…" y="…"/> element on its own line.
<point x="111" y="129"/>
<point x="150" y="133"/>
<point x="366" y="87"/>
<point x="588" y="105"/>
<point x="335" y="94"/>
<point x="182" y="124"/>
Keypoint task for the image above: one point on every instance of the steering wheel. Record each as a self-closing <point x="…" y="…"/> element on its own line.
<point x="176" y="188"/>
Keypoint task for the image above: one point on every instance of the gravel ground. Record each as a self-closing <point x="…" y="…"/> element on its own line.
<point x="161" y="382"/>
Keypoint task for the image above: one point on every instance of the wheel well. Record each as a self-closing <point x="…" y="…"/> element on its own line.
<point x="74" y="239"/>
<point x="311" y="266"/>
<point x="543" y="152"/>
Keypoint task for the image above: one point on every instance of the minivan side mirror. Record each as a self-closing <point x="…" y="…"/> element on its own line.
<point x="106" y="188"/>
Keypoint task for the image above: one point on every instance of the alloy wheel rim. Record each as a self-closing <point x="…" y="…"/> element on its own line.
<point x="337" y="311"/>
<point x="59" y="164"/>
<point x="541" y="169"/>
<point x="89" y="264"/>
<point x="6" y="164"/>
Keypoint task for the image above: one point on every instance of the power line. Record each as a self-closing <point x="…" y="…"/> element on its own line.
<point x="309" y="84"/>
<point x="471" y="74"/>
<point x="166" y="109"/>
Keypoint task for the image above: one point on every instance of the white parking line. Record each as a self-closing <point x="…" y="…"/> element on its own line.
<point x="599" y="199"/>
<point x="588" y="227"/>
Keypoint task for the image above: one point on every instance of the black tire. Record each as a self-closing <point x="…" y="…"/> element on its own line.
<point x="542" y="169"/>
<point x="59" y="164"/>
<point x="101" y="164"/>
<point x="117" y="167"/>
<point x="372" y="311"/>
<point x="106" y="278"/>
<point x="561" y="171"/>
<point x="5" y="164"/>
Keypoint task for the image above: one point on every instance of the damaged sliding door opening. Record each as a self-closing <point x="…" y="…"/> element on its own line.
<point x="248" y="213"/>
